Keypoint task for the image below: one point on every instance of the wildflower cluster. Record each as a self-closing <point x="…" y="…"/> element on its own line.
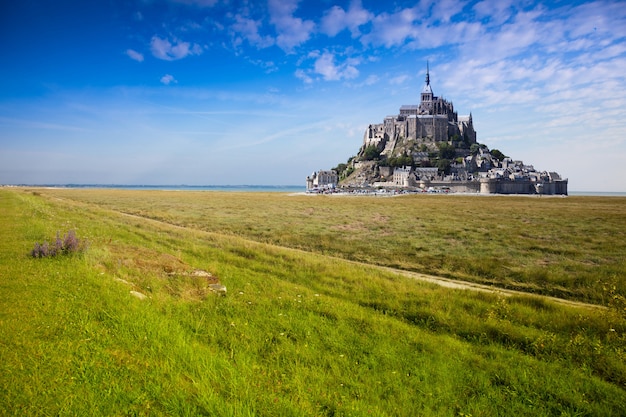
<point x="69" y="244"/>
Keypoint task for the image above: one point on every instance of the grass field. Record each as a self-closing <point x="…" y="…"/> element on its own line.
<point x="302" y="331"/>
<point x="567" y="247"/>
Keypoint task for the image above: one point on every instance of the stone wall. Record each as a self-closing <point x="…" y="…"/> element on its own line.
<point x="458" y="186"/>
<point x="497" y="186"/>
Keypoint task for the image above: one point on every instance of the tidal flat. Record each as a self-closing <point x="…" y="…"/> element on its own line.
<point x="310" y="323"/>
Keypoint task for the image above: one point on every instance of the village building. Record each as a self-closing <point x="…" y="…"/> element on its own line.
<point x="402" y="177"/>
<point x="322" y="180"/>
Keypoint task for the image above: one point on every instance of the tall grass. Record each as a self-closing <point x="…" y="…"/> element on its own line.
<point x="298" y="334"/>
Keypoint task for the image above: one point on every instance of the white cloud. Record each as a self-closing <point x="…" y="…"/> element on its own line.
<point x="337" y="19"/>
<point x="372" y="79"/>
<point x="495" y="11"/>
<point x="248" y="29"/>
<point x="444" y="10"/>
<point x="302" y="75"/>
<point x="132" y="54"/>
<point x="167" y="79"/>
<point x="393" y="29"/>
<point x="291" y="31"/>
<point x="326" y="67"/>
<point x="166" y="50"/>
<point x="399" y="79"/>
<point x="268" y="66"/>
<point x="199" y="3"/>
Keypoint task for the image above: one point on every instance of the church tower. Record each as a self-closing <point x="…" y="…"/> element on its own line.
<point x="427" y="92"/>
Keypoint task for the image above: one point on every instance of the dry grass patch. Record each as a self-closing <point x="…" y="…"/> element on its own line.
<point x="351" y="227"/>
<point x="146" y="270"/>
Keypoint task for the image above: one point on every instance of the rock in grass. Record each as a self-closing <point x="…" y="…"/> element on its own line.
<point x="123" y="281"/>
<point x="139" y="295"/>
<point x="201" y="273"/>
<point x="218" y="288"/>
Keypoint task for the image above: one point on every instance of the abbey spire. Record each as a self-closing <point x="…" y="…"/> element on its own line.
<point x="427" y="92"/>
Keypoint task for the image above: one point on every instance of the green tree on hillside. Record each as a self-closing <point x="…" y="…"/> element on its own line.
<point x="446" y="150"/>
<point x="475" y="147"/>
<point x="498" y="155"/>
<point x="444" y="166"/>
<point x="399" y="161"/>
<point x="340" y="168"/>
<point x="371" y="153"/>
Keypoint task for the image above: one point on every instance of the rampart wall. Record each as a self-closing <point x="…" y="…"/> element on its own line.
<point x="496" y="186"/>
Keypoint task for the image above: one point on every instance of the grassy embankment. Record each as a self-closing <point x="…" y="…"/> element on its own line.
<point x="304" y="334"/>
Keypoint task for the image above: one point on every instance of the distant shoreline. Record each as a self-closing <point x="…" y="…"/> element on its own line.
<point x="239" y="188"/>
<point x="245" y="188"/>
<point x="598" y="193"/>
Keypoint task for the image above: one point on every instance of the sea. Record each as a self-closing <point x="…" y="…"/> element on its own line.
<point x="598" y="193"/>
<point x="237" y="188"/>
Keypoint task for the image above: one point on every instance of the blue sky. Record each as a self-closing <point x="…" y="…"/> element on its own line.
<point x="222" y="92"/>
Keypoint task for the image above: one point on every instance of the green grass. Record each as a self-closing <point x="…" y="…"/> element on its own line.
<point x="299" y="333"/>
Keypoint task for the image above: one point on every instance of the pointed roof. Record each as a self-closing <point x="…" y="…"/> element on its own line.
<point x="426" y="89"/>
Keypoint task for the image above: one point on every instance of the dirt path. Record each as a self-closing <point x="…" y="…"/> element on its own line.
<point x="471" y="286"/>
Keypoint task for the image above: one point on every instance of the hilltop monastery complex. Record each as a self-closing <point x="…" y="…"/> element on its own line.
<point x="421" y="137"/>
<point x="433" y="120"/>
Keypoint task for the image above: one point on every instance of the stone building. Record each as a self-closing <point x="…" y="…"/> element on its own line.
<point x="322" y="180"/>
<point x="433" y="120"/>
<point x="402" y="177"/>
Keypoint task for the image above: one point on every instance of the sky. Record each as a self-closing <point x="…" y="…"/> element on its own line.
<point x="228" y="92"/>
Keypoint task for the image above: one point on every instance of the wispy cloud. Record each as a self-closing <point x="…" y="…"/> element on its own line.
<point x="336" y="19"/>
<point x="168" y="79"/>
<point x="302" y="75"/>
<point x="199" y="3"/>
<point x="393" y="29"/>
<point x="443" y="10"/>
<point x="399" y="79"/>
<point x="132" y="54"/>
<point x="291" y="31"/>
<point x="246" y="29"/>
<point x="38" y="124"/>
<point x="170" y="51"/>
<point x="495" y="12"/>
<point x="326" y="66"/>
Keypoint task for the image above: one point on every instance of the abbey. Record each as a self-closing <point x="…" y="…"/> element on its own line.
<point x="433" y="120"/>
<point x="428" y="146"/>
